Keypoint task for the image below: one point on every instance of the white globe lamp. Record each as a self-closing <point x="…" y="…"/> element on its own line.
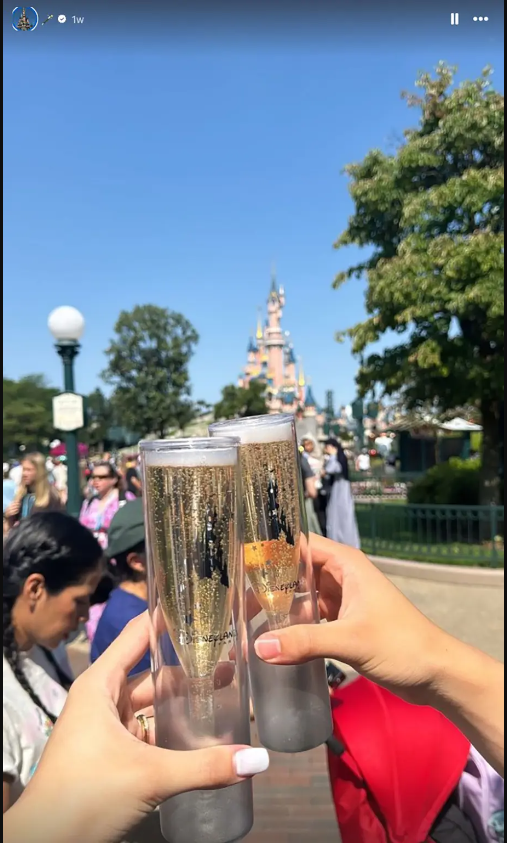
<point x="66" y="324"/>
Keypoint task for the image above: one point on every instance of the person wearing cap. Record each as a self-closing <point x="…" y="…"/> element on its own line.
<point x="126" y="552"/>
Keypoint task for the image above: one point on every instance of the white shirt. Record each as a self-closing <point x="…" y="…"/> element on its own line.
<point x="363" y="462"/>
<point x="16" y="474"/>
<point x="61" y="473"/>
<point x="26" y="727"/>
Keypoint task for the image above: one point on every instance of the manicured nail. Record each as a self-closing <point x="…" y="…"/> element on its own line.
<point x="268" y="648"/>
<point x="249" y="762"/>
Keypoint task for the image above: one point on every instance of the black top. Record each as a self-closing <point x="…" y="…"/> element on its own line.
<point x="129" y="477"/>
<point x="306" y="469"/>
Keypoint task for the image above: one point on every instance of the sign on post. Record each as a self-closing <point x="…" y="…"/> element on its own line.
<point x="68" y="412"/>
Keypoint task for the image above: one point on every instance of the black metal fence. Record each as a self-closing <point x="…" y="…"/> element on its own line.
<point x="469" y="535"/>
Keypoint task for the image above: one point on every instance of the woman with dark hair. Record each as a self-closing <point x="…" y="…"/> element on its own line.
<point x="341" y="524"/>
<point x="97" y="513"/>
<point x="51" y="567"/>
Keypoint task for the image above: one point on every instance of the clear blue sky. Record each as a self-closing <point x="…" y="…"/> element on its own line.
<point x="142" y="172"/>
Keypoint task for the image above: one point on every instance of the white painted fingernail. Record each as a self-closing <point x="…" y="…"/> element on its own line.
<point x="249" y="762"/>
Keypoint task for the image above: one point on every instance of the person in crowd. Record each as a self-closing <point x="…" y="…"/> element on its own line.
<point x="51" y="566"/>
<point x="61" y="476"/>
<point x="311" y="494"/>
<point x="341" y="524"/>
<point x="9" y="495"/>
<point x="9" y="487"/>
<point x="363" y="462"/>
<point x="35" y="493"/>
<point x="126" y="552"/>
<point x="371" y="626"/>
<point x="319" y="502"/>
<point x="132" y="479"/>
<point x="16" y="473"/>
<point x="97" y="514"/>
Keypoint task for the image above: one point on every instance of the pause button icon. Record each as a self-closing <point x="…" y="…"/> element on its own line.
<point x="454" y="18"/>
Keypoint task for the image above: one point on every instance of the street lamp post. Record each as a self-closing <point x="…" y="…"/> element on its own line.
<point x="67" y="326"/>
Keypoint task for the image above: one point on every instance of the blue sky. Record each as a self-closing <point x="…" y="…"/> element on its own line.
<point x="177" y="176"/>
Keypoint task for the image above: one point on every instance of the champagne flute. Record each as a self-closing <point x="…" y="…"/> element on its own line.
<point x="270" y="478"/>
<point x="291" y="702"/>
<point x="191" y="494"/>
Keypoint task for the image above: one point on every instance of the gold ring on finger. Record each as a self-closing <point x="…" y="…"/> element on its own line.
<point x="145" y="727"/>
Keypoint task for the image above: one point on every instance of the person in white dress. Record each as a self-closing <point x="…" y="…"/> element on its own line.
<point x="52" y="565"/>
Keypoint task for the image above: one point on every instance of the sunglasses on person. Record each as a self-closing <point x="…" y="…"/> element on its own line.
<point x="103" y="477"/>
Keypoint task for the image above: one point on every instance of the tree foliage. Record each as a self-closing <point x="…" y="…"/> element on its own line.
<point x="27" y="413"/>
<point x="433" y="216"/>
<point x="148" y="369"/>
<point x="240" y="402"/>
<point x="101" y="417"/>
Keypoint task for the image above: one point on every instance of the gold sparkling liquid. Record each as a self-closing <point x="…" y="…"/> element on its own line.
<point x="272" y="568"/>
<point x="270" y="478"/>
<point x="193" y="541"/>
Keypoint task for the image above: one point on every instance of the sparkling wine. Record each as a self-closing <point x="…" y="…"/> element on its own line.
<point x="192" y="512"/>
<point x="272" y="524"/>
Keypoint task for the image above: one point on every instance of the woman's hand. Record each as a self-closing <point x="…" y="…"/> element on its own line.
<point x="375" y="629"/>
<point x="13" y="509"/>
<point x="105" y="777"/>
<point x="371" y="625"/>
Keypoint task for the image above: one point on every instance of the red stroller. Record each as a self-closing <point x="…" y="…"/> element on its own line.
<point x="394" y="770"/>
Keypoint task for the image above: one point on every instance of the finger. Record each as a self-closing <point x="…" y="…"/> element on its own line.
<point x="140" y="688"/>
<point x="322" y="550"/>
<point x="171" y="682"/>
<point x="203" y="769"/>
<point x="302" y="643"/>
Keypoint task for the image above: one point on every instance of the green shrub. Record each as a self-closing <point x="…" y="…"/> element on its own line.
<point x="453" y="483"/>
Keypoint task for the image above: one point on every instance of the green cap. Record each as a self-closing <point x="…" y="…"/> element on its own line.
<point x="127" y="529"/>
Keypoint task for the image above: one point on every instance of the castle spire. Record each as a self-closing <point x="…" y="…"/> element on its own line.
<point x="273" y="293"/>
<point x="301" y="379"/>
<point x="259" y="333"/>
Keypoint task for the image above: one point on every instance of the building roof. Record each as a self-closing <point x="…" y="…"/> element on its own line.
<point x="309" y="399"/>
<point x="291" y="357"/>
<point x="461" y="426"/>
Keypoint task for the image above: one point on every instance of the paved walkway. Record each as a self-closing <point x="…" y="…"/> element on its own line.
<point x="474" y="614"/>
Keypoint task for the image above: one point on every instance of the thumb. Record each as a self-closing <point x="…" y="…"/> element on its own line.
<point x="302" y="643"/>
<point x="204" y="769"/>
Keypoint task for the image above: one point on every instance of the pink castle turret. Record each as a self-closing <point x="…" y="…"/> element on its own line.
<point x="275" y="340"/>
<point x="271" y="358"/>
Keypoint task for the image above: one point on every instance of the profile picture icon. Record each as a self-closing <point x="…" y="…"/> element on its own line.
<point x="24" y="18"/>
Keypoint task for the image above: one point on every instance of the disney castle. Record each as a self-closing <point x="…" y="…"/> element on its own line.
<point x="271" y="359"/>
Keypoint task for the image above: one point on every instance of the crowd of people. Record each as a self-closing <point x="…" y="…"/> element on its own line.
<point x="62" y="575"/>
<point x="329" y="501"/>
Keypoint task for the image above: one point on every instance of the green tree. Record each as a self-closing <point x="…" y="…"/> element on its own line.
<point x="27" y="414"/>
<point x="148" y="369"/>
<point x="101" y="416"/>
<point x="240" y="402"/>
<point x="432" y="215"/>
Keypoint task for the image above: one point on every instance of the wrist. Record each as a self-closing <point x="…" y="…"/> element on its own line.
<point x="440" y="655"/>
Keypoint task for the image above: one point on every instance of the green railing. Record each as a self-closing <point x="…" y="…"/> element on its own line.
<point x="466" y="535"/>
